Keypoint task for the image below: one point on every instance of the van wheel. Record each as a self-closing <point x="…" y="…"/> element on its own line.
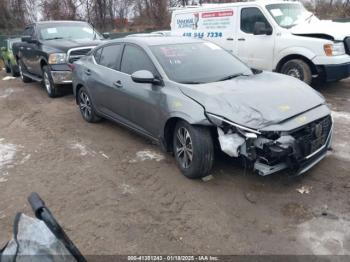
<point x="298" y="69"/>
<point x="23" y="77"/>
<point x="51" y="89"/>
<point x="193" y="149"/>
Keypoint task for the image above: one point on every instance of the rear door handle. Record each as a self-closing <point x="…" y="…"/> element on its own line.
<point x="118" y="84"/>
<point x="241" y="39"/>
<point x="88" y="72"/>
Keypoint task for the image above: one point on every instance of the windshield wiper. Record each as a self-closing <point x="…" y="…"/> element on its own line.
<point x="191" y="83"/>
<point x="231" y="77"/>
<point x="53" y="38"/>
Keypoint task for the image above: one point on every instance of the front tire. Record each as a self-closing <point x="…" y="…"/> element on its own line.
<point x="51" y="89"/>
<point x="86" y="107"/>
<point x="298" y="69"/>
<point x="193" y="149"/>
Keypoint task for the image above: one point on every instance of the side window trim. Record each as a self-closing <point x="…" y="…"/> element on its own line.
<point x="252" y="7"/>
<point x="102" y="47"/>
<point x="139" y="47"/>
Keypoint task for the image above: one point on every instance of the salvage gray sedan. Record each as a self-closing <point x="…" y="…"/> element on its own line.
<point x="189" y="95"/>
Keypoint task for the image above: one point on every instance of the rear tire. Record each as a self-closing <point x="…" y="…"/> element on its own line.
<point x="8" y="70"/>
<point x="298" y="69"/>
<point x="14" y="72"/>
<point x="193" y="149"/>
<point x="86" y="107"/>
<point x="23" y="77"/>
<point x="51" y="89"/>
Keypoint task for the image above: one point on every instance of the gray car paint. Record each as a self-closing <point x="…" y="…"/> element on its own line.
<point x="256" y="101"/>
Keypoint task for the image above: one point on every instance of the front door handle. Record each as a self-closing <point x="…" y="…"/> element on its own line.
<point x="241" y="39"/>
<point x="229" y="39"/>
<point x="118" y="84"/>
<point x="88" y="72"/>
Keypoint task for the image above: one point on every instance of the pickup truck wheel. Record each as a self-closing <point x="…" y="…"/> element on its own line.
<point x="7" y="68"/>
<point x="193" y="149"/>
<point x="23" y="77"/>
<point x="14" y="73"/>
<point x="298" y="69"/>
<point x="50" y="87"/>
<point x="86" y="107"/>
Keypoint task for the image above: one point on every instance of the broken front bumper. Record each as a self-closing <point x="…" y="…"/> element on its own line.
<point x="269" y="152"/>
<point x="298" y="166"/>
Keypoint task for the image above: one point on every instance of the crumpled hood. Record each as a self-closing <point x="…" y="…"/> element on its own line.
<point x="66" y="44"/>
<point x="255" y="101"/>
<point x="337" y="30"/>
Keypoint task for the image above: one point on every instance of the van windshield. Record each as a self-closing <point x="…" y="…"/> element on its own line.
<point x="288" y="15"/>
<point x="197" y="63"/>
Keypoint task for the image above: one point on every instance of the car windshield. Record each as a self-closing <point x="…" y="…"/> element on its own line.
<point x="288" y="15"/>
<point x="196" y="63"/>
<point x="73" y="31"/>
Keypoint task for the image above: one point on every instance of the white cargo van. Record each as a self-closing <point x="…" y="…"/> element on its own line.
<point x="278" y="36"/>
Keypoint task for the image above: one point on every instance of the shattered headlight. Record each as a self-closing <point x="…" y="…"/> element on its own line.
<point x="334" y="49"/>
<point x="57" y="58"/>
<point x="221" y="121"/>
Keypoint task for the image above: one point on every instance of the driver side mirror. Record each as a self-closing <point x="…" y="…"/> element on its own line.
<point x="145" y="77"/>
<point x="106" y="35"/>
<point x="28" y="39"/>
<point x="260" y="28"/>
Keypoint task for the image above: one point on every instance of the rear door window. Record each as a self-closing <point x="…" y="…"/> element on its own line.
<point x="135" y="59"/>
<point x="249" y="16"/>
<point x="110" y="56"/>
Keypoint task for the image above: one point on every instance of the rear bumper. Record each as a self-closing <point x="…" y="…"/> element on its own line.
<point x="61" y="77"/>
<point x="335" y="72"/>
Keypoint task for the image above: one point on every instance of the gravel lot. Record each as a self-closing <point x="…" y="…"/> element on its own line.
<point x="117" y="193"/>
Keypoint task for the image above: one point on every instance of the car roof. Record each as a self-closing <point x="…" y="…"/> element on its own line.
<point x="157" y="40"/>
<point x="59" y="21"/>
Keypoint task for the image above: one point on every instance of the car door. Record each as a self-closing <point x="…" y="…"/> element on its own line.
<point x="25" y="49"/>
<point x="144" y="99"/>
<point x="104" y="81"/>
<point x="255" y="50"/>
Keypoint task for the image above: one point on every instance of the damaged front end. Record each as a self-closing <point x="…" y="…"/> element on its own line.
<point x="269" y="152"/>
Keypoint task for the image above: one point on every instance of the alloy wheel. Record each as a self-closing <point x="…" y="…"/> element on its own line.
<point x="295" y="73"/>
<point x="85" y="105"/>
<point x="184" y="147"/>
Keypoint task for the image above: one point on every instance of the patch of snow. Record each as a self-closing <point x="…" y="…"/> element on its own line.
<point x="3" y="180"/>
<point x="7" y="154"/>
<point x="326" y="236"/>
<point x="25" y="159"/>
<point x="104" y="155"/>
<point x="6" y="78"/>
<point x="7" y="93"/>
<point x="341" y="150"/>
<point x="147" y="155"/>
<point x="84" y="151"/>
<point x="341" y="115"/>
<point x="127" y="189"/>
<point x="304" y="190"/>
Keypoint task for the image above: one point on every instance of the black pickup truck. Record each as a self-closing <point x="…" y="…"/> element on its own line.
<point x="48" y="48"/>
